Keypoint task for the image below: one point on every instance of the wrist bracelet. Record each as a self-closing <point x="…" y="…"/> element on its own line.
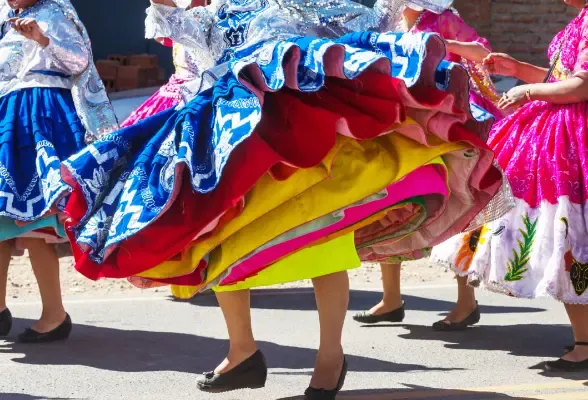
<point x="528" y="95"/>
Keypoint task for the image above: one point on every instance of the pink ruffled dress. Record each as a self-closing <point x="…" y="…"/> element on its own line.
<point x="540" y="248"/>
<point x="451" y="27"/>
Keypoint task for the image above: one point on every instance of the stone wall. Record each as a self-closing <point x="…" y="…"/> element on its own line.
<point x="521" y="28"/>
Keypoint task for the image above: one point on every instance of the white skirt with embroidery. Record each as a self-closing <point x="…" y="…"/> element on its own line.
<point x="530" y="252"/>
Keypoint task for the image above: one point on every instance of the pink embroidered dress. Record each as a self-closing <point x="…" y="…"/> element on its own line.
<point x="188" y="62"/>
<point x="540" y="248"/>
<point x="451" y="27"/>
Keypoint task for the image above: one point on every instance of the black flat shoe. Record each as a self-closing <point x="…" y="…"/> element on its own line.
<point x="60" y="333"/>
<point x="5" y="322"/>
<point x="250" y="374"/>
<point x="324" y="394"/>
<point x="562" y="365"/>
<point x="365" y="317"/>
<point x="470" y="320"/>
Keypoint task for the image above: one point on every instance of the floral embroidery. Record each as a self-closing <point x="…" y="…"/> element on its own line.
<point x="517" y="266"/>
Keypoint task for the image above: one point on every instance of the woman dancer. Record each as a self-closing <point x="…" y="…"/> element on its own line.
<point x="264" y="176"/>
<point x="464" y="46"/>
<point x="540" y="247"/>
<point x="189" y="63"/>
<point x="46" y="65"/>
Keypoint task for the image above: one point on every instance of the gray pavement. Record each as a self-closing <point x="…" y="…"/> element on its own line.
<point x="148" y="346"/>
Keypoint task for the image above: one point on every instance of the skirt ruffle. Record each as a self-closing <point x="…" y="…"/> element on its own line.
<point x="540" y="248"/>
<point x="164" y="199"/>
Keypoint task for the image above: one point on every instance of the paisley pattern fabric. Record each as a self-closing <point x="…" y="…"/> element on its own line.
<point x="540" y="248"/>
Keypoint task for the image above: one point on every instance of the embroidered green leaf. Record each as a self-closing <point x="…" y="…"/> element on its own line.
<point x="518" y="263"/>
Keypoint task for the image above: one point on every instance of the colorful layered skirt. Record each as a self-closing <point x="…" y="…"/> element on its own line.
<point x="39" y="128"/>
<point x="540" y="248"/>
<point x="295" y="164"/>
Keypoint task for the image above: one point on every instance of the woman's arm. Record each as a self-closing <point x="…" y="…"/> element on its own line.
<point x="472" y="51"/>
<point x="60" y="39"/>
<point x="503" y="64"/>
<point x="573" y="90"/>
<point x="530" y="73"/>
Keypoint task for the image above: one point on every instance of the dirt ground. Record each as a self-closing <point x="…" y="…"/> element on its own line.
<point x="21" y="281"/>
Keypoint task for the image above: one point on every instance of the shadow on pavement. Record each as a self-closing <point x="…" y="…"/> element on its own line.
<point x="144" y="351"/>
<point x="419" y="392"/>
<point x="303" y="299"/>
<point x="20" y="396"/>
<point x="527" y="340"/>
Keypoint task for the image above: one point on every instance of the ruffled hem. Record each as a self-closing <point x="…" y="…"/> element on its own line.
<point x="340" y="87"/>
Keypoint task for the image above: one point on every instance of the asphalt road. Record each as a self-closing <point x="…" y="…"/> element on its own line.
<point x="151" y="347"/>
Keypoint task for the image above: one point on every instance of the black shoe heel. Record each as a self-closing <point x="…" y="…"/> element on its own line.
<point x="324" y="394"/>
<point x="5" y="322"/>
<point x="250" y="374"/>
<point x="392" y="316"/>
<point x="60" y="333"/>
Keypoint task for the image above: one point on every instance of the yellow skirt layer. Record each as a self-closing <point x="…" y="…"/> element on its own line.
<point x="359" y="170"/>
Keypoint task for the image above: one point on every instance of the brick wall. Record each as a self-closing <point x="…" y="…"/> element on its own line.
<point x="521" y="28"/>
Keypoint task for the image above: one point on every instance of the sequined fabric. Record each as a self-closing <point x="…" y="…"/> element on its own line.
<point x="65" y="63"/>
<point x="540" y="248"/>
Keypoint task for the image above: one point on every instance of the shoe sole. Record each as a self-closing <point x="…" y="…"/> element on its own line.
<point x="210" y="389"/>
<point x="389" y="321"/>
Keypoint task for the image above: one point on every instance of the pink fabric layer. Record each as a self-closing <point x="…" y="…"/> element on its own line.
<point x="166" y="97"/>
<point x="408" y="187"/>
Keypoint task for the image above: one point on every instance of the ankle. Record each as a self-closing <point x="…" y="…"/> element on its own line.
<point x="392" y="303"/>
<point x="53" y="316"/>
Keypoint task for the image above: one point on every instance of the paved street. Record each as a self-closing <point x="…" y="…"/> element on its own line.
<point x="147" y="346"/>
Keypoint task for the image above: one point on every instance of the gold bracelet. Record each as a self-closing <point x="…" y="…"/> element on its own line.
<point x="528" y="95"/>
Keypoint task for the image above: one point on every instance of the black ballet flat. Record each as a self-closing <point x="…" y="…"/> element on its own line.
<point x="5" y="322"/>
<point x="324" y="394"/>
<point x="365" y="317"/>
<point x="250" y="374"/>
<point x="470" y="320"/>
<point x="62" y="332"/>
<point x="562" y="365"/>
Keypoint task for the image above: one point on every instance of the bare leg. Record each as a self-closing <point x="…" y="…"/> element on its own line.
<point x="466" y="301"/>
<point x="236" y="308"/>
<point x="578" y="315"/>
<point x="46" y="268"/>
<point x="5" y="255"/>
<point x="392" y="298"/>
<point x="332" y="300"/>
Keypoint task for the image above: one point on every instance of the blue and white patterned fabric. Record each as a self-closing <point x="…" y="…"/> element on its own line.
<point x="39" y="128"/>
<point x="129" y="178"/>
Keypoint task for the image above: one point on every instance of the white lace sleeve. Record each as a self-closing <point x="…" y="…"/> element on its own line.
<point x="190" y="28"/>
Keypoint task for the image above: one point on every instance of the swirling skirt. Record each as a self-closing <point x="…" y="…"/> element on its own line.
<point x="296" y="147"/>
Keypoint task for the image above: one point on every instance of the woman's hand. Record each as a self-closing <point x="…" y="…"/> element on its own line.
<point x="514" y="98"/>
<point x="29" y="28"/>
<point x="501" y="64"/>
